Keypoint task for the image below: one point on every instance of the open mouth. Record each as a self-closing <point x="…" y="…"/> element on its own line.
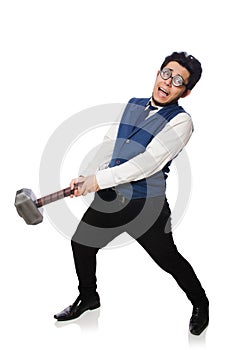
<point x="162" y="92"/>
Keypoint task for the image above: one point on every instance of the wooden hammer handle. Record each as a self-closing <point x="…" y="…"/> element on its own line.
<point x="53" y="197"/>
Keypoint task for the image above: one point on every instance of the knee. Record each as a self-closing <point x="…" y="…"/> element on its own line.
<point x="79" y="236"/>
<point x="74" y="244"/>
<point x="167" y="259"/>
<point x="74" y="240"/>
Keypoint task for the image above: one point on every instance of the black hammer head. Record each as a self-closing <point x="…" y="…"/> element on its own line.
<point x="26" y="207"/>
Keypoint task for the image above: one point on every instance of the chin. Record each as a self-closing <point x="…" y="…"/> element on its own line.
<point x="160" y="104"/>
<point x="163" y="103"/>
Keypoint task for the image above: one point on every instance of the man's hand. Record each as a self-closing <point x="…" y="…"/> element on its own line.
<point x="88" y="184"/>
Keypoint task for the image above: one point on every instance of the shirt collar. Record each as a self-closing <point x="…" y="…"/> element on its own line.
<point x="151" y="103"/>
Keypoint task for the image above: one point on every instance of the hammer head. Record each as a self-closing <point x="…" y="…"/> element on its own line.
<point x="26" y="207"/>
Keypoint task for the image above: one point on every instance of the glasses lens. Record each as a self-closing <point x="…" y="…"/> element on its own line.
<point x="166" y="73"/>
<point x="177" y="80"/>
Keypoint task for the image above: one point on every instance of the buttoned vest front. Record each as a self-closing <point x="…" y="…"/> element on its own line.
<point x="133" y="138"/>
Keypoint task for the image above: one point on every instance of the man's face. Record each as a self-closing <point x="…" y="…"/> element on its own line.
<point x="164" y="91"/>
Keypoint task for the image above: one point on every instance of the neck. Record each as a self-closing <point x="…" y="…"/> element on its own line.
<point x="156" y="103"/>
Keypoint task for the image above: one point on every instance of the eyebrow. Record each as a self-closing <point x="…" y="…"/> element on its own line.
<point x="176" y="74"/>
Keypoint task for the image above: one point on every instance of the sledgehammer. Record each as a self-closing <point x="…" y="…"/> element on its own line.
<point x="30" y="208"/>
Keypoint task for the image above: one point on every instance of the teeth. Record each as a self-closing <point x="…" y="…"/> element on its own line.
<point x="163" y="90"/>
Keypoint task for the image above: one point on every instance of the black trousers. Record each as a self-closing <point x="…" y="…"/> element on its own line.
<point x="148" y="221"/>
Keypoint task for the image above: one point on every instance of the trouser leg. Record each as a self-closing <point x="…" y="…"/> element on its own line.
<point x="99" y="226"/>
<point x="86" y="243"/>
<point x="85" y="265"/>
<point x="160" y="246"/>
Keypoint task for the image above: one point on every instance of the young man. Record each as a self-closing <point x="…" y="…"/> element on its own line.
<point x="130" y="192"/>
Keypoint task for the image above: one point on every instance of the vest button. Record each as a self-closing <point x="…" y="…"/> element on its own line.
<point x="118" y="161"/>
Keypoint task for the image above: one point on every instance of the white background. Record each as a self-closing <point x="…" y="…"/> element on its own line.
<point x="58" y="58"/>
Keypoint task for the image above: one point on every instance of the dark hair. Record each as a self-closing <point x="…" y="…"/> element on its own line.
<point x="189" y="62"/>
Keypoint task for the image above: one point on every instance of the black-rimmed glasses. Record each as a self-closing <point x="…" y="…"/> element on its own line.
<point x="177" y="80"/>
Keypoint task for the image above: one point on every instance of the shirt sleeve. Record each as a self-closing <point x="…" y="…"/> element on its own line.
<point x="107" y="148"/>
<point x="164" y="147"/>
<point x="101" y="156"/>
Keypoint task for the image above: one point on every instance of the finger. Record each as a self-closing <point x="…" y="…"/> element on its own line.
<point x="72" y="185"/>
<point x="77" y="192"/>
<point x="81" y="179"/>
<point x="82" y="189"/>
<point x="77" y="187"/>
<point x="86" y="190"/>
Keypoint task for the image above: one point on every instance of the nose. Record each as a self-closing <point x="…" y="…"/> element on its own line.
<point x="169" y="81"/>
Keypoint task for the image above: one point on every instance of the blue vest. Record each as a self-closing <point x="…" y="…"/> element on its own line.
<point x="133" y="138"/>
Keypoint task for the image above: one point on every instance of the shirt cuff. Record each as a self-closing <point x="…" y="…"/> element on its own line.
<point x="105" y="178"/>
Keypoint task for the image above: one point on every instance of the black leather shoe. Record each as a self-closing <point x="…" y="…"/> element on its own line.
<point x="199" y="320"/>
<point x="77" y="308"/>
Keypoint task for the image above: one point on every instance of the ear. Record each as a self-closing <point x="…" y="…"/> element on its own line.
<point x="186" y="93"/>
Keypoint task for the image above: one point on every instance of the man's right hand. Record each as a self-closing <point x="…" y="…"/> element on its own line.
<point x="88" y="184"/>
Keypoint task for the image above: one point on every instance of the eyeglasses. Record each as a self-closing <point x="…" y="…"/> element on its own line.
<point x="177" y="80"/>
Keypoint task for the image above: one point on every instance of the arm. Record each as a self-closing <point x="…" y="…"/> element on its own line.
<point x="100" y="157"/>
<point x="99" y="160"/>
